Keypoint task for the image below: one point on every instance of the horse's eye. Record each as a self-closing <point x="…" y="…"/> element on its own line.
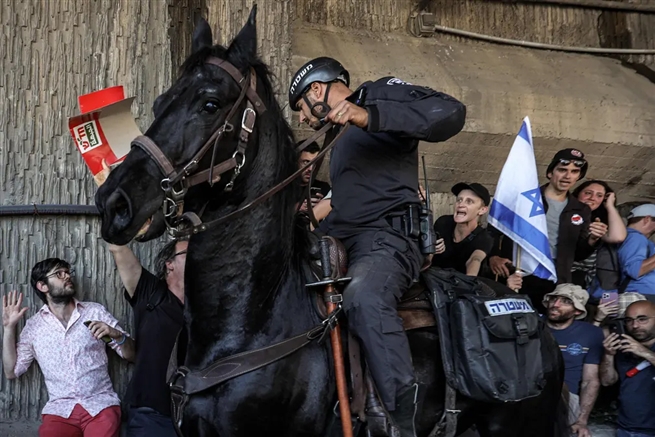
<point x="210" y="107"/>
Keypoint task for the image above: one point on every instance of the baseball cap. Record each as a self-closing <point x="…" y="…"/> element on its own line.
<point x="478" y="189"/>
<point x="647" y="209"/>
<point x="577" y="294"/>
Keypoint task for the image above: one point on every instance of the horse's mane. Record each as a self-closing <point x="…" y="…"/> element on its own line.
<point x="282" y="137"/>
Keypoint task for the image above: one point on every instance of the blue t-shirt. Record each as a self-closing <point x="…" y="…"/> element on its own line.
<point x="581" y="343"/>
<point x="636" y="395"/>
<point x="632" y="253"/>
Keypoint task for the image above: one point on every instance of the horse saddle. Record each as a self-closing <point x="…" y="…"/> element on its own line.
<point x="328" y="266"/>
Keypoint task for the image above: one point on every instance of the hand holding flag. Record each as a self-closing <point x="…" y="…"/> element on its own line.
<point x="518" y="210"/>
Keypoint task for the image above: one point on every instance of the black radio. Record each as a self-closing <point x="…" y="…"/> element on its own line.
<point x="427" y="238"/>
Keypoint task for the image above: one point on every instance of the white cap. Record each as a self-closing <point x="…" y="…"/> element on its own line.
<point x="647" y="209"/>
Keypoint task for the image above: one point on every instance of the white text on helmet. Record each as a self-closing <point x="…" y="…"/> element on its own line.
<point x="301" y="74"/>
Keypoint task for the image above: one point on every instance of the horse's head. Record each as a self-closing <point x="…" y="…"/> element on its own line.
<point x="208" y="102"/>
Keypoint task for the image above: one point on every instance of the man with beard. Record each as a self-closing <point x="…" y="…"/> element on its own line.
<point x="581" y="344"/>
<point x="630" y="359"/>
<point x="72" y="356"/>
<point x="375" y="205"/>
<point x="571" y="234"/>
<point x="462" y="243"/>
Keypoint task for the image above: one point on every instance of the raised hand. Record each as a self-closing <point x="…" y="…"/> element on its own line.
<point x="11" y="309"/>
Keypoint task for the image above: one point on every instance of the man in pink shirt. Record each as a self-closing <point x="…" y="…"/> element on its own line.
<point x="72" y="356"/>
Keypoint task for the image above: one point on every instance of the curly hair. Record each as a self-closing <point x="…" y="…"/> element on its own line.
<point x="164" y="255"/>
<point x="41" y="269"/>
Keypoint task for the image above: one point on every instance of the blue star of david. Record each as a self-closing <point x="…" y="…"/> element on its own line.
<point x="534" y="196"/>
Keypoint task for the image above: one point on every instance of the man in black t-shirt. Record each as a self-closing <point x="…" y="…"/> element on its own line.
<point x="158" y="304"/>
<point x="462" y="244"/>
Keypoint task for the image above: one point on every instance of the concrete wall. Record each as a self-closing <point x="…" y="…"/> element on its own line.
<point x="593" y="103"/>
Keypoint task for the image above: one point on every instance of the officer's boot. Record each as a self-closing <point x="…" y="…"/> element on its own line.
<point x="405" y="413"/>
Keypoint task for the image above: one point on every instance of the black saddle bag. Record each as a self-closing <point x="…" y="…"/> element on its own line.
<point x="490" y="346"/>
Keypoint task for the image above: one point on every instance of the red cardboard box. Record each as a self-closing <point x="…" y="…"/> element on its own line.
<point x="104" y="129"/>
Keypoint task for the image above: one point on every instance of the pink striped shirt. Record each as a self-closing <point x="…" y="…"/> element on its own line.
<point x="73" y="362"/>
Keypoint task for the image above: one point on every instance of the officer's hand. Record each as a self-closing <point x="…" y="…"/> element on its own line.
<point x="346" y="112"/>
<point x="440" y="247"/>
<point x="498" y="266"/>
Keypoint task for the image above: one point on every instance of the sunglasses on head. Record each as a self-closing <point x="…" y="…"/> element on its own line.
<point x="575" y="162"/>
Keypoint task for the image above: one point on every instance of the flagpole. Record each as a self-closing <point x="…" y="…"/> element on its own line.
<point x="518" y="262"/>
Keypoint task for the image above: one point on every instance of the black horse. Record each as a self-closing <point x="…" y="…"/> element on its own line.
<point x="244" y="284"/>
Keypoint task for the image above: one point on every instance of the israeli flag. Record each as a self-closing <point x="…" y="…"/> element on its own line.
<point x="518" y="210"/>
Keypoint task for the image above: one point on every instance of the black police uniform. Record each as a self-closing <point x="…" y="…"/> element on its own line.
<point x="374" y="174"/>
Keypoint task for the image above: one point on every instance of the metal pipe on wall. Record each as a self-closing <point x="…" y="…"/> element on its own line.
<point x="67" y="210"/>
<point x="591" y="4"/>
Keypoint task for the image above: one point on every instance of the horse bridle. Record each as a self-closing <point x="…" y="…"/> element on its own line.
<point x="176" y="182"/>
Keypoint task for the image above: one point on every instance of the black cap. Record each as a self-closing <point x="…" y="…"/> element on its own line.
<point x="478" y="189"/>
<point x="573" y="155"/>
<point x="321" y="69"/>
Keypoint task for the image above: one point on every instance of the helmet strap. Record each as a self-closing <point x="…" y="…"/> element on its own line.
<point x="320" y="109"/>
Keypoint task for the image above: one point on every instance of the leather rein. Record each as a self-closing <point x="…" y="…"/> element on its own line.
<point x="177" y="181"/>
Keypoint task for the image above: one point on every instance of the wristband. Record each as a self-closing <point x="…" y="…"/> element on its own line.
<point x="118" y="343"/>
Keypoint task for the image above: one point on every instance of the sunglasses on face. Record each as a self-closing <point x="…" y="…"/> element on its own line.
<point x="575" y="162"/>
<point x="61" y="274"/>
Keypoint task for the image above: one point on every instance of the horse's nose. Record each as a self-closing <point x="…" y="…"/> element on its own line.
<point x="117" y="210"/>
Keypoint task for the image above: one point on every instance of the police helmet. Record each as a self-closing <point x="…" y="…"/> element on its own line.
<point x="321" y="69"/>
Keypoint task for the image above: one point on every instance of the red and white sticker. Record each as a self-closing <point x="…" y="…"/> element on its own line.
<point x="577" y="219"/>
<point x="576" y="153"/>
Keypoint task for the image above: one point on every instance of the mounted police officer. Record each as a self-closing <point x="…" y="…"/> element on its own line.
<point x="374" y="172"/>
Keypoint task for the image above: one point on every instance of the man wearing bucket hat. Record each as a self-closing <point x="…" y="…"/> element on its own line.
<point x="581" y="344"/>
<point x="571" y="234"/>
<point x="462" y="243"/>
<point x="637" y="252"/>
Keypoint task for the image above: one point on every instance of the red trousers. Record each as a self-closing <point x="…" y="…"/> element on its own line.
<point x="106" y="423"/>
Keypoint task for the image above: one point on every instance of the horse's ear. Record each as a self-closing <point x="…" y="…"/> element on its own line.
<point x="244" y="45"/>
<point x="202" y="36"/>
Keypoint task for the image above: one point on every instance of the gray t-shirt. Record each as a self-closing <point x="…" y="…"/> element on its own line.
<point x="555" y="209"/>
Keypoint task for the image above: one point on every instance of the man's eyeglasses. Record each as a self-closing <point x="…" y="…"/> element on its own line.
<point x="639" y="320"/>
<point x="575" y="162"/>
<point x="61" y="274"/>
<point x="181" y="252"/>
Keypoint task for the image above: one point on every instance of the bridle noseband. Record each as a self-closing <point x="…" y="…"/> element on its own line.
<point x="177" y="181"/>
